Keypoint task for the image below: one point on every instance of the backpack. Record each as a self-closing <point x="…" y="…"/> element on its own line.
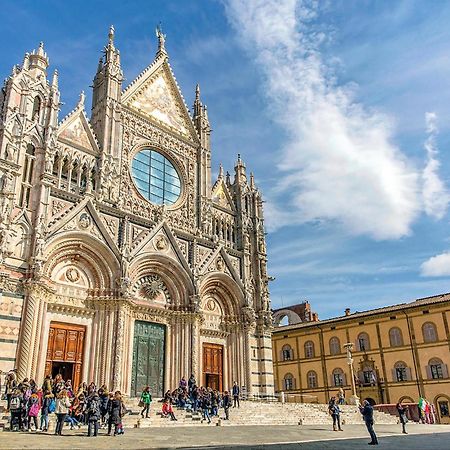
<point x="15" y="403"/>
<point x="93" y="407"/>
<point x="52" y="406"/>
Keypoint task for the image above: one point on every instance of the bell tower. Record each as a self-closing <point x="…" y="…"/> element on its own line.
<point x="107" y="90"/>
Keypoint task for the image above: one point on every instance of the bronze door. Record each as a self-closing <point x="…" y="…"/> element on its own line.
<point x="148" y="358"/>
<point x="213" y="366"/>
<point x="65" y="351"/>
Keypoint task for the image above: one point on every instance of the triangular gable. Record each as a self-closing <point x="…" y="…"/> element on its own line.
<point x="221" y="196"/>
<point x="219" y="261"/>
<point x="76" y="130"/>
<point x="84" y="217"/>
<point x="161" y="240"/>
<point x="23" y="217"/>
<point x="156" y="95"/>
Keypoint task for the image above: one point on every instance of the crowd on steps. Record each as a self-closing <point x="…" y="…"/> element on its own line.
<point x="96" y="407"/>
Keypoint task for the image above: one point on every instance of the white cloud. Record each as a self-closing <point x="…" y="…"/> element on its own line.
<point x="436" y="266"/>
<point x="434" y="192"/>
<point x="339" y="163"/>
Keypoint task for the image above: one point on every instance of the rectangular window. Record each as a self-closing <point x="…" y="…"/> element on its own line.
<point x="436" y="371"/>
<point x="338" y="379"/>
<point x="401" y="373"/>
<point x="443" y="409"/>
<point x="289" y="383"/>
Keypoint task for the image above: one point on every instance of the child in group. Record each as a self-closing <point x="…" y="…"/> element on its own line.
<point x="33" y="408"/>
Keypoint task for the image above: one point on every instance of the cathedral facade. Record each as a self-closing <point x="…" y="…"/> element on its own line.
<point x="121" y="260"/>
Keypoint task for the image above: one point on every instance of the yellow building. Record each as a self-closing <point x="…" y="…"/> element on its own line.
<point x="400" y="352"/>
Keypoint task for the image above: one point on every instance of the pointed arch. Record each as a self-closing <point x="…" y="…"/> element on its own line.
<point x="225" y="290"/>
<point x="175" y="278"/>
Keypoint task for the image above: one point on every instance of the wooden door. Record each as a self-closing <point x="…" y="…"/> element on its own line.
<point x="65" y="344"/>
<point x="213" y="366"/>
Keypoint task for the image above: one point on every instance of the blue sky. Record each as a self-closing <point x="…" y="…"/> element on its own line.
<point x="342" y="110"/>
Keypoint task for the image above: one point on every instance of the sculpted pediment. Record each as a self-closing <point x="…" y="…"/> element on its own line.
<point x="221" y="196"/>
<point x="156" y="96"/>
<point x="76" y="130"/>
<point x="160" y="240"/>
<point x="84" y="218"/>
<point x="219" y="261"/>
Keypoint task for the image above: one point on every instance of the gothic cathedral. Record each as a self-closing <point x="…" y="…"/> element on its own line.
<point x="121" y="262"/>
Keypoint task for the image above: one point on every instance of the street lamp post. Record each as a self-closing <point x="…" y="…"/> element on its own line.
<point x="354" y="400"/>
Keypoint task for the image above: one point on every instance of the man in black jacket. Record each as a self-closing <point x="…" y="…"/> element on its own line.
<point x="235" y="393"/>
<point x="367" y="413"/>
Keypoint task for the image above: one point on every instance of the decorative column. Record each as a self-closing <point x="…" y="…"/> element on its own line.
<point x="195" y="346"/>
<point x="354" y="400"/>
<point x="119" y="344"/>
<point x="35" y="294"/>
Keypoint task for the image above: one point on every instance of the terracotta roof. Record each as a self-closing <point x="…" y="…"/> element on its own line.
<point x="436" y="299"/>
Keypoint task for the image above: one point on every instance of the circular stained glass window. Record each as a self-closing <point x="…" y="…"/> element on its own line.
<point x="156" y="177"/>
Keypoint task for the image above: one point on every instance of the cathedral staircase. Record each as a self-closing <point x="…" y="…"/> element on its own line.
<point x="249" y="413"/>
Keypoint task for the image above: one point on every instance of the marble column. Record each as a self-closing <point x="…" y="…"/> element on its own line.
<point x="35" y="295"/>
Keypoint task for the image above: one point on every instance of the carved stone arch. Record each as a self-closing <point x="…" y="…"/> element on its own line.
<point x="83" y="250"/>
<point x="176" y="280"/>
<point x="224" y="289"/>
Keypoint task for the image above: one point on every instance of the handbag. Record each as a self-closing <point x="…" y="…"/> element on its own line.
<point x="141" y="404"/>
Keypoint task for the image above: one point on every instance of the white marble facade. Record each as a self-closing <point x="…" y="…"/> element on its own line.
<point x="82" y="243"/>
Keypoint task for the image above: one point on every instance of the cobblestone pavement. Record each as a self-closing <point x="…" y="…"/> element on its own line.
<point x="239" y="437"/>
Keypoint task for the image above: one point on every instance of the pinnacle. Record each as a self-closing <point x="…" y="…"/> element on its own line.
<point x="111" y="34"/>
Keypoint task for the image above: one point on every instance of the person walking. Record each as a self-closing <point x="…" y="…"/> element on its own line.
<point x="93" y="414"/>
<point x="206" y="403"/>
<point x="335" y="412"/>
<point x="236" y="391"/>
<point x="146" y="399"/>
<point x="62" y="409"/>
<point x="402" y="410"/>
<point x="367" y="412"/>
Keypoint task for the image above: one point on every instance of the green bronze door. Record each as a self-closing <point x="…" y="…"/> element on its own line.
<point x="148" y="358"/>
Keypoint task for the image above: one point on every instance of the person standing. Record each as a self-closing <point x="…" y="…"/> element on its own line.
<point x="45" y="410"/>
<point x="341" y="396"/>
<point x="335" y="413"/>
<point x="402" y="410"/>
<point x="62" y="409"/>
<point x="191" y="384"/>
<point x="115" y="413"/>
<point x="367" y="412"/>
<point x="226" y="401"/>
<point x="16" y="407"/>
<point x="146" y="399"/>
<point x="93" y="414"/>
<point x="10" y="386"/>
<point x="33" y="407"/>
<point x="235" y="392"/>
